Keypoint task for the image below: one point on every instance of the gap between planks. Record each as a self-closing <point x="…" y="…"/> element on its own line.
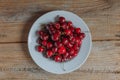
<point x="92" y="41"/>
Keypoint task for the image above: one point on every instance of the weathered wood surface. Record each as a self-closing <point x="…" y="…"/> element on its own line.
<point x="102" y="17"/>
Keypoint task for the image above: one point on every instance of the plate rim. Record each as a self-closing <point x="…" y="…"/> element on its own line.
<point x="76" y="66"/>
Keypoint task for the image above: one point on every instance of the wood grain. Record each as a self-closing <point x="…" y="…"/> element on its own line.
<point x="103" y="63"/>
<point x="102" y="17"/>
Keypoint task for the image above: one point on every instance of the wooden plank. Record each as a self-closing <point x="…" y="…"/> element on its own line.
<point x="102" y="17"/>
<point x="102" y="64"/>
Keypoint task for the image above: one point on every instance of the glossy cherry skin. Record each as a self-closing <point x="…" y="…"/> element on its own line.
<point x="71" y="28"/>
<point x="75" y="54"/>
<point x="57" y="25"/>
<point x="69" y="23"/>
<point x="49" y="45"/>
<point x="57" y="58"/>
<point x="51" y="29"/>
<point x="61" y="19"/>
<point x="58" y="44"/>
<point x="71" y="51"/>
<point x="62" y="50"/>
<point x="54" y="49"/>
<point x="69" y="57"/>
<point x="65" y="41"/>
<point x="77" y="30"/>
<point x="82" y="35"/>
<point x="55" y="37"/>
<point x="66" y="54"/>
<point x="72" y="40"/>
<point x="68" y="32"/>
<point x="40" y="32"/>
<point x="75" y="47"/>
<point x="64" y="25"/>
<point x="69" y="45"/>
<point x="49" y="53"/>
<point x="44" y="42"/>
<point x="40" y="49"/>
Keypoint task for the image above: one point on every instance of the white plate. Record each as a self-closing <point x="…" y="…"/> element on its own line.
<point x="50" y="65"/>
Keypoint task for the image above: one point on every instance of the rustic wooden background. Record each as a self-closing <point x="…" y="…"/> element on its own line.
<point x="102" y="17"/>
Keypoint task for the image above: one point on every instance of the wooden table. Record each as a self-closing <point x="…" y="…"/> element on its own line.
<point x="102" y="17"/>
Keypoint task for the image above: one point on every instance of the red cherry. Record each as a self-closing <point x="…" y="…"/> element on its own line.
<point x="72" y="40"/>
<point x="51" y="29"/>
<point x="49" y="53"/>
<point x="71" y="28"/>
<point x="66" y="55"/>
<point x="62" y="50"/>
<point x="44" y="42"/>
<point x="69" y="57"/>
<point x="57" y="25"/>
<point x="79" y="43"/>
<point x="40" y="49"/>
<point x="75" y="53"/>
<point x="58" y="44"/>
<point x="65" y="41"/>
<point x="39" y="41"/>
<point x="54" y="49"/>
<point x="75" y="47"/>
<point x="55" y="37"/>
<point x="57" y="58"/>
<point x="64" y="59"/>
<point x="69" y="23"/>
<point x="61" y="19"/>
<point x="58" y="32"/>
<point x="68" y="32"/>
<point x="45" y="37"/>
<point x="69" y="45"/>
<point x="77" y="40"/>
<point x="71" y="51"/>
<point x="64" y="25"/>
<point x="82" y="35"/>
<point x="40" y="32"/>
<point x="77" y="30"/>
<point x="49" y="45"/>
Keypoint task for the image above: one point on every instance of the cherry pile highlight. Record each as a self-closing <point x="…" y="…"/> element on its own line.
<point x="60" y="40"/>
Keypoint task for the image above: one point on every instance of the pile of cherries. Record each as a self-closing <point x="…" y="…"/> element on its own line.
<point x="60" y="41"/>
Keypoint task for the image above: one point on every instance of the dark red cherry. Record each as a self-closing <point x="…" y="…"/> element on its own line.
<point x="66" y="54"/>
<point x="71" y="28"/>
<point x="49" y="45"/>
<point x="75" y="54"/>
<point x="57" y="58"/>
<point x="69" y="23"/>
<point x="65" y="41"/>
<point x="82" y="35"/>
<point x="64" y="25"/>
<point x="54" y="49"/>
<point x="44" y="42"/>
<point x="61" y="19"/>
<point x="75" y="47"/>
<point x="40" y="32"/>
<point x="57" y="25"/>
<point x="55" y="37"/>
<point x="68" y="32"/>
<point x="58" y="44"/>
<point x="77" y="30"/>
<point x="72" y="40"/>
<point x="40" y="49"/>
<point x="49" y="53"/>
<point x="62" y="50"/>
<point x="69" y="45"/>
<point x="71" y="51"/>
<point x="45" y="37"/>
